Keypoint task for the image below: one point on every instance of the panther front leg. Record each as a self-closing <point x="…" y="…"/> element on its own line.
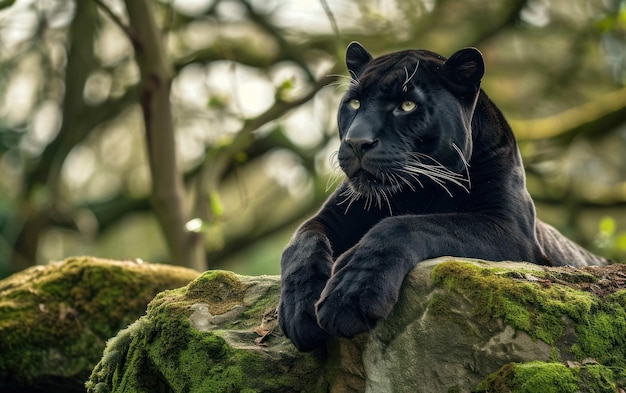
<point x="366" y="280"/>
<point x="362" y="290"/>
<point x="305" y="268"/>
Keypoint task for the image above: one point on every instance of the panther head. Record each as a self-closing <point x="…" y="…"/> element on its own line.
<point x="406" y="120"/>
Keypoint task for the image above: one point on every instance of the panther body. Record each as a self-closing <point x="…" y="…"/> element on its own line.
<point x="432" y="169"/>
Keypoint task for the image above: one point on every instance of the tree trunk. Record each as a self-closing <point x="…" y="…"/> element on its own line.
<point x="186" y="248"/>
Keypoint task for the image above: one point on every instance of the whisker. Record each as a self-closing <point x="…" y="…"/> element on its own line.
<point x="343" y="81"/>
<point x="334" y="173"/>
<point x="332" y="180"/>
<point x="465" y="163"/>
<point x="353" y="78"/>
<point x="435" y="179"/>
<point x="437" y="173"/>
<point x="408" y="183"/>
<point x="442" y="171"/>
<point x="461" y="156"/>
<point x="441" y="178"/>
<point x="424" y="155"/>
<point x="388" y="202"/>
<point x="408" y="173"/>
<point x="415" y="177"/>
<point x="350" y="196"/>
<point x="408" y="78"/>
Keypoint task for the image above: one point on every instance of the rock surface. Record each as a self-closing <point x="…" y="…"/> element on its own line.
<point x="56" y="319"/>
<point x="215" y="335"/>
<point x="459" y="326"/>
<point x="464" y="326"/>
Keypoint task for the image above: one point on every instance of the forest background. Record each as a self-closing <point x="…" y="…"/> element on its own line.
<point x="201" y="132"/>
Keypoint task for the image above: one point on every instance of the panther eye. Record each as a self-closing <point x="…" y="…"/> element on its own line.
<point x="354" y="104"/>
<point x="407" y="106"/>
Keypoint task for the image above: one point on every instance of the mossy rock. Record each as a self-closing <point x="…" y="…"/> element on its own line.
<point x="218" y="334"/>
<point x="460" y="325"/>
<point x="458" y="321"/>
<point x="55" y="319"/>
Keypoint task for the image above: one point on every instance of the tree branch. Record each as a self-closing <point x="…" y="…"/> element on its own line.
<point x="115" y="19"/>
<point x="221" y="159"/>
<point x="595" y="117"/>
<point x="511" y="17"/>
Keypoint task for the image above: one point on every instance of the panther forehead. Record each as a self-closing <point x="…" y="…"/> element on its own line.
<point x="391" y="73"/>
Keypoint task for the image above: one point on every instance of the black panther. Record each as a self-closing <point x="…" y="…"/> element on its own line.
<point x="432" y="169"/>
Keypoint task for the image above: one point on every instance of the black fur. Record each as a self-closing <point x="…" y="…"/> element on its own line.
<point x="443" y="177"/>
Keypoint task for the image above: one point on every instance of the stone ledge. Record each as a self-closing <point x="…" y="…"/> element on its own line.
<point x="460" y="325"/>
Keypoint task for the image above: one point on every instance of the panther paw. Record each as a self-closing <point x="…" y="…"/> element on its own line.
<point x="301" y="328"/>
<point x="347" y="310"/>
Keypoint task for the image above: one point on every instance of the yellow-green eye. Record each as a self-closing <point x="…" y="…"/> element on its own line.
<point x="354" y="104"/>
<point x="407" y="106"/>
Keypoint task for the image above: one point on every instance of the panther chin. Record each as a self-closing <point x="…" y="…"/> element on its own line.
<point x="376" y="191"/>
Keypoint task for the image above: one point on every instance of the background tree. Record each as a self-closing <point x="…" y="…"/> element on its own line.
<point x="213" y="120"/>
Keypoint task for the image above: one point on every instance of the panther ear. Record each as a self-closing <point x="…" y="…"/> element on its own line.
<point x="356" y="58"/>
<point x="466" y="65"/>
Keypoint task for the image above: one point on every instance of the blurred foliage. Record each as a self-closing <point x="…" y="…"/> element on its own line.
<point x="255" y="126"/>
<point x="610" y="240"/>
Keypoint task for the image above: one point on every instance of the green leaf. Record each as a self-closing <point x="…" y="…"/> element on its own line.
<point x="216" y="204"/>
<point x="218" y="101"/>
<point x="607" y="226"/>
<point x="283" y="90"/>
<point x="287" y="84"/>
<point x="6" y="4"/>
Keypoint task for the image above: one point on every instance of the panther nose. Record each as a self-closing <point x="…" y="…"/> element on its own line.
<point x="360" y="146"/>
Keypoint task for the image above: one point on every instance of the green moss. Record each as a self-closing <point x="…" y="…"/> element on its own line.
<point x="597" y="379"/>
<point x="535" y="377"/>
<point x="216" y="370"/>
<point x="189" y="360"/>
<point x="531" y="377"/>
<point x="543" y="377"/>
<point x="541" y="308"/>
<point x="440" y="304"/>
<point x="267" y="302"/>
<point x="165" y="347"/>
<point x="528" y="306"/>
<point x="221" y="289"/>
<point x="55" y="319"/>
<point x="602" y="335"/>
